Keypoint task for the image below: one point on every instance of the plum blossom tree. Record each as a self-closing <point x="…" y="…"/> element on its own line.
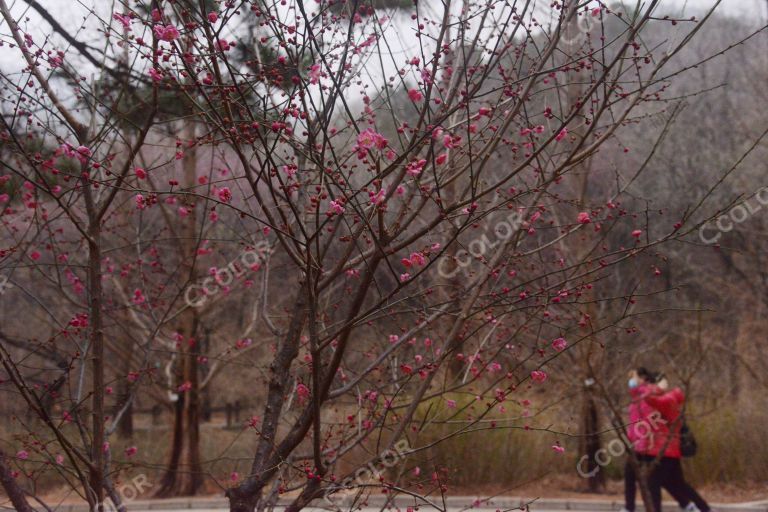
<point x="418" y="177"/>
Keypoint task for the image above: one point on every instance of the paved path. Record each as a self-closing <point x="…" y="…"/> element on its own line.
<point x="454" y="504"/>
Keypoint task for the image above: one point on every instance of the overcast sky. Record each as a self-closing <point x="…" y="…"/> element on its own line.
<point x="70" y="14"/>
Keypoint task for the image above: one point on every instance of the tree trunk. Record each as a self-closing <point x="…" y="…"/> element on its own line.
<point x="183" y="476"/>
<point x="125" y="427"/>
<point x="242" y="501"/>
<point x="591" y="442"/>
<point x="96" y="348"/>
<point x="12" y="489"/>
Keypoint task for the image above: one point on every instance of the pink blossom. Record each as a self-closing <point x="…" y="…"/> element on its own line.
<point x="34" y="255"/>
<point x="558" y="448"/>
<point x="80" y="320"/>
<point x="415" y="95"/>
<point x="140" y="173"/>
<point x="225" y="195"/>
<point x="124" y="19"/>
<point x="440" y="160"/>
<point x="636" y="233"/>
<point x="22" y="455"/>
<point x="213" y="17"/>
<point x="156" y="15"/>
<point x="290" y="170"/>
<point x="131" y="451"/>
<point x="559" y="344"/>
<point x="415" y="168"/>
<point x="378" y="197"/>
<point x="138" y="297"/>
<point x="223" y="45"/>
<point x="105" y="446"/>
<point x="314" y="73"/>
<point x="302" y="391"/>
<point x="59" y="459"/>
<point x="583" y="218"/>
<point x="451" y="142"/>
<point x="234" y="476"/>
<point x="404" y="277"/>
<point x="538" y="376"/>
<point x="83" y="153"/>
<point x="335" y="207"/>
<point x="4" y="198"/>
<point x="240" y="344"/>
<point x="183" y="212"/>
<point x="166" y="32"/>
<point x="370" y="138"/>
<point x="426" y="76"/>
<point x="417" y="259"/>
<point x="451" y="403"/>
<point x="155" y="74"/>
<point x="563" y="133"/>
<point x="186" y="386"/>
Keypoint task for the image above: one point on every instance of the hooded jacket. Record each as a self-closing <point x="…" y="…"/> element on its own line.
<point x="655" y="422"/>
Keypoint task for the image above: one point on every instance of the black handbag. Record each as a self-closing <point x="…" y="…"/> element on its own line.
<point x="688" y="445"/>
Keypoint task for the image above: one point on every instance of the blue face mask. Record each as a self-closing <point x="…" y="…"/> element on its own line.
<point x="632" y="383"/>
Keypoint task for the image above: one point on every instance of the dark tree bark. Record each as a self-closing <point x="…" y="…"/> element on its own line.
<point x="183" y="476"/>
<point x="125" y="427"/>
<point x="591" y="442"/>
<point x="12" y="489"/>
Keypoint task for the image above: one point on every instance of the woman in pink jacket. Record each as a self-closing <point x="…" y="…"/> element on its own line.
<point x="654" y="429"/>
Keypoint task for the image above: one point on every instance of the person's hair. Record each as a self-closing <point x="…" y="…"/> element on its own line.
<point x="648" y="375"/>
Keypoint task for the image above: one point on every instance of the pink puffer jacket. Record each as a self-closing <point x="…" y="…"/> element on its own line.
<point x="654" y="418"/>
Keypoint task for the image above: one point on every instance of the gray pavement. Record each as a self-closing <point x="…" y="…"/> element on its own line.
<point x="453" y="504"/>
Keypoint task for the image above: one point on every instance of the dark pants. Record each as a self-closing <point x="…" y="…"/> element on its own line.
<point x="667" y="474"/>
